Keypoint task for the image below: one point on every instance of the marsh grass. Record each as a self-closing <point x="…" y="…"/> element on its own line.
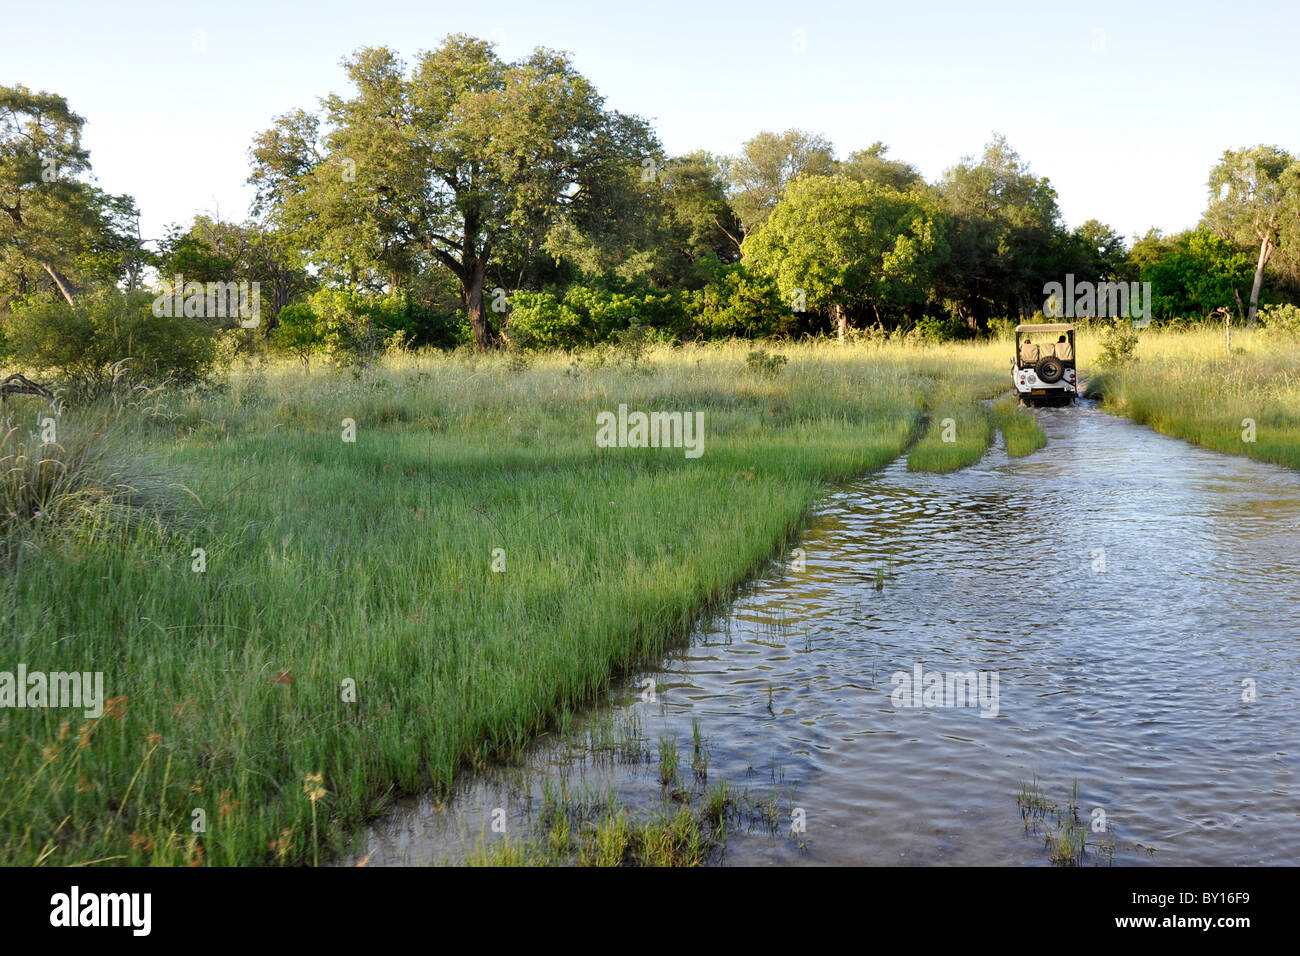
<point x="668" y="761"/>
<point x="1020" y="429"/>
<point x="1064" y="833"/>
<point x="957" y="435"/>
<point x="1186" y="384"/>
<point x="349" y="621"/>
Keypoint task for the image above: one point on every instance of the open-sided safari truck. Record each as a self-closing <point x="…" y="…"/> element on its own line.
<point x="1043" y="369"/>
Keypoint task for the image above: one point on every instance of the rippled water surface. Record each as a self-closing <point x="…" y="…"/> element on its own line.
<point x="1123" y="587"/>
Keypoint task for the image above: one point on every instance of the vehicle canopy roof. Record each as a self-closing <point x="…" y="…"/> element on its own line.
<point x="1047" y="327"/>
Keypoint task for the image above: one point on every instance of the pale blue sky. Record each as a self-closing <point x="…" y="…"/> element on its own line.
<point x="1125" y="106"/>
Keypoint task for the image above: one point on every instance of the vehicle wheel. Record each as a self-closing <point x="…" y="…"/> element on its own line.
<point x="1049" y="370"/>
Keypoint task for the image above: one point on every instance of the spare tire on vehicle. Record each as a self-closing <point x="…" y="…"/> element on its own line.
<point x="1049" y="370"/>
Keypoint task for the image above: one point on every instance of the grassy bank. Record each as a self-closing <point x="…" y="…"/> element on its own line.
<point x="1187" y="385"/>
<point x="1020" y="429"/>
<point x="372" y="615"/>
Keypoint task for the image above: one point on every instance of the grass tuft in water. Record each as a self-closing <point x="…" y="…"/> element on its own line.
<point x="1020" y="429"/>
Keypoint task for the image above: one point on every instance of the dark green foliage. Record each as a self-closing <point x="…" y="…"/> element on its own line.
<point x="108" y="338"/>
<point x="1194" y="273"/>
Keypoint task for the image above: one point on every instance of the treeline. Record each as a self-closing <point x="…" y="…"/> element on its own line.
<point x="463" y="200"/>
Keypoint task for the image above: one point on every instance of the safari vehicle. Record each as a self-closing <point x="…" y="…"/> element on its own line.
<point x="1043" y="370"/>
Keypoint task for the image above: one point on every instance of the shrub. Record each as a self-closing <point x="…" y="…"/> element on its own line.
<point x="940" y="328"/>
<point x="739" y="302"/>
<point x="1118" y="341"/>
<point x="764" y="364"/>
<point x="1279" y="321"/>
<point x="585" y="315"/>
<point x="108" y="338"/>
<point x="538" y="320"/>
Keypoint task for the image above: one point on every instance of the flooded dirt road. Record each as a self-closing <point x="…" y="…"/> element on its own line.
<point x="1128" y="601"/>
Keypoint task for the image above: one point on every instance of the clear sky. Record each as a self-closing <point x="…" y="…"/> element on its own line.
<point x="1124" y="106"/>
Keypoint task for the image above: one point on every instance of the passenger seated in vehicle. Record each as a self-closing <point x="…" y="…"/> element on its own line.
<point x="1028" y="352"/>
<point x="1063" y="350"/>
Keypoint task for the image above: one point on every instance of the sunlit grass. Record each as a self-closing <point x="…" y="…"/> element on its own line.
<point x="1188" y="385"/>
<point x="1020" y="429"/>
<point x="334" y="607"/>
<point x="957" y="436"/>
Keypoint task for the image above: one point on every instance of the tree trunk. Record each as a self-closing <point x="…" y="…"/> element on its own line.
<point x="474" y="280"/>
<point x="1265" y="250"/>
<point x="841" y="320"/>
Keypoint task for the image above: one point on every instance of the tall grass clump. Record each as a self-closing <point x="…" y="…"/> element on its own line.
<point x="1020" y="429"/>
<point x="1186" y="384"/>
<point x="957" y="436"/>
<point x="72" y="475"/>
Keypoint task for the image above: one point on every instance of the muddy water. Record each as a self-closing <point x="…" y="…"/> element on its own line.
<point x="1123" y="587"/>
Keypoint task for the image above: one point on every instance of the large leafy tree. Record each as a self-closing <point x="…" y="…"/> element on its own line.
<point x="54" y="225"/>
<point x="767" y="164"/>
<point x="1094" y="251"/>
<point x="213" y="250"/>
<point x="466" y="161"/>
<point x="701" y="220"/>
<point x="842" y="245"/>
<point x="873" y="166"/>
<point x="1004" y="236"/>
<point x="1252" y="195"/>
<point x="1193" y="273"/>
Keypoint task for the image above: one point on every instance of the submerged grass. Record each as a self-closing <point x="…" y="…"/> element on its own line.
<point x="1064" y="833"/>
<point x="345" y="619"/>
<point x="687" y="826"/>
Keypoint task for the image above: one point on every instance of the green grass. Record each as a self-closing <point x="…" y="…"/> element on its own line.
<point x="1187" y="385"/>
<point x="1064" y="833"/>
<point x="614" y="838"/>
<point x="349" y="622"/>
<point x="1020" y="429"/>
<point x="958" y="434"/>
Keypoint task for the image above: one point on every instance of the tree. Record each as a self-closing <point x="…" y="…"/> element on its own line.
<point x="767" y="164"/>
<point x="212" y="250"/>
<point x="467" y="159"/>
<point x="870" y="166"/>
<point x="1096" y="252"/>
<point x="51" y="222"/>
<point x="841" y="244"/>
<point x="1250" y="194"/>
<point x="1004" y="234"/>
<point x="1193" y="273"/>
<point x="701" y="219"/>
